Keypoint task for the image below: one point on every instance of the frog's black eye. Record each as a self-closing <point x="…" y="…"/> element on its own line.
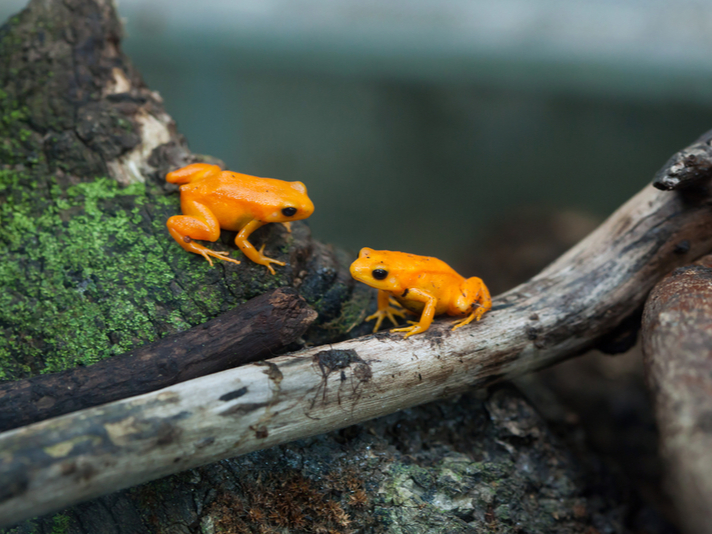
<point x="379" y="274"/>
<point x="288" y="212"/>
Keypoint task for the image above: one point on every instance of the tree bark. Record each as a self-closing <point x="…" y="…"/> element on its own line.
<point x="252" y="331"/>
<point x="677" y="340"/>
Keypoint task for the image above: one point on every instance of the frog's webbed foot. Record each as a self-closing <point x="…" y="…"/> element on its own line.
<point x="221" y="255"/>
<point x="462" y="322"/>
<point x="474" y="316"/>
<point x="206" y="253"/>
<point x="389" y="312"/>
<point x="264" y="260"/>
<point x="243" y="243"/>
<point x="180" y="234"/>
<point x="416" y="328"/>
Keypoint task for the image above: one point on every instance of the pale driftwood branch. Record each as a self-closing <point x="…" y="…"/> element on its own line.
<point x="252" y="331"/>
<point x="559" y="313"/>
<point x="677" y="340"/>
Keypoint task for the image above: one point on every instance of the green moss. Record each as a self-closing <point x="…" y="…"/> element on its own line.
<point x="60" y="524"/>
<point x="90" y="271"/>
<point x="353" y="311"/>
<point x="27" y="527"/>
<point x="83" y="280"/>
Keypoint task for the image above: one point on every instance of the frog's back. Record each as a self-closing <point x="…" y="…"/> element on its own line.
<point x="426" y="273"/>
<point x="422" y="267"/>
<point x="238" y="186"/>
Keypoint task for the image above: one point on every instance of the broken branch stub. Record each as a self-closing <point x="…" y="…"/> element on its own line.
<point x="559" y="313"/>
<point x="688" y="168"/>
<point x="677" y="343"/>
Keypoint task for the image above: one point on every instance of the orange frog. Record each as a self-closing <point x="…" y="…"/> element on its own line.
<point x="419" y="284"/>
<point x="211" y="199"/>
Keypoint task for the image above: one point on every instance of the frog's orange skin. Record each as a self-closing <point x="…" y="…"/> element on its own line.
<point x="212" y="199"/>
<point x="419" y="284"/>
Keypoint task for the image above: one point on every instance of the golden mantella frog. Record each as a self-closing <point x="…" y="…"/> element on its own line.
<point x="211" y="199"/>
<point x="419" y="284"/>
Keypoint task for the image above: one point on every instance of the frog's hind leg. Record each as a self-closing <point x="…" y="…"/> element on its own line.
<point x="426" y="317"/>
<point x="193" y="172"/>
<point x="197" y="223"/>
<point x="475" y="299"/>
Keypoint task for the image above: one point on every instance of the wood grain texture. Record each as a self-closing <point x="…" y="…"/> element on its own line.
<point x="677" y="340"/>
<point x="561" y="312"/>
<point x="250" y="332"/>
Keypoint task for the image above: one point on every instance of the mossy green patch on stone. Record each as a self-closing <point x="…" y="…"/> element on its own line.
<point x="83" y="279"/>
<point x="60" y="524"/>
<point x="90" y="271"/>
<point x="26" y="527"/>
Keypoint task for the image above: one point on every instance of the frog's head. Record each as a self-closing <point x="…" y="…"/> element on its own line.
<point x="293" y="204"/>
<point x="375" y="268"/>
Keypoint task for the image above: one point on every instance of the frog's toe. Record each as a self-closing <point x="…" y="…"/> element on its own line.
<point x="391" y="318"/>
<point x="464" y="321"/>
<point x="267" y="262"/>
<point x="379" y="319"/>
<point x="410" y="330"/>
<point x="207" y="257"/>
<point x="412" y="333"/>
<point x="224" y="255"/>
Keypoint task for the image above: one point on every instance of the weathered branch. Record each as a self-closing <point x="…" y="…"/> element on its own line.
<point x="559" y="313"/>
<point x="251" y="332"/>
<point x="677" y="340"/>
<point x="689" y="168"/>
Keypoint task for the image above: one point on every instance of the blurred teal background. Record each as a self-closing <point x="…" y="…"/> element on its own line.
<point x="416" y="124"/>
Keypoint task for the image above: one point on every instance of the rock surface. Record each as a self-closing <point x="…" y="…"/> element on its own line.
<point x="478" y="463"/>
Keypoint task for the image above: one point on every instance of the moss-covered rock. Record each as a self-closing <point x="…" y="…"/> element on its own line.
<point x="88" y="269"/>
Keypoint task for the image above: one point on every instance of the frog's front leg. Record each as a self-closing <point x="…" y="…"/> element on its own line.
<point x="249" y="250"/>
<point x="428" y="312"/>
<point x="385" y="310"/>
<point x="476" y="298"/>
<point x="197" y="223"/>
